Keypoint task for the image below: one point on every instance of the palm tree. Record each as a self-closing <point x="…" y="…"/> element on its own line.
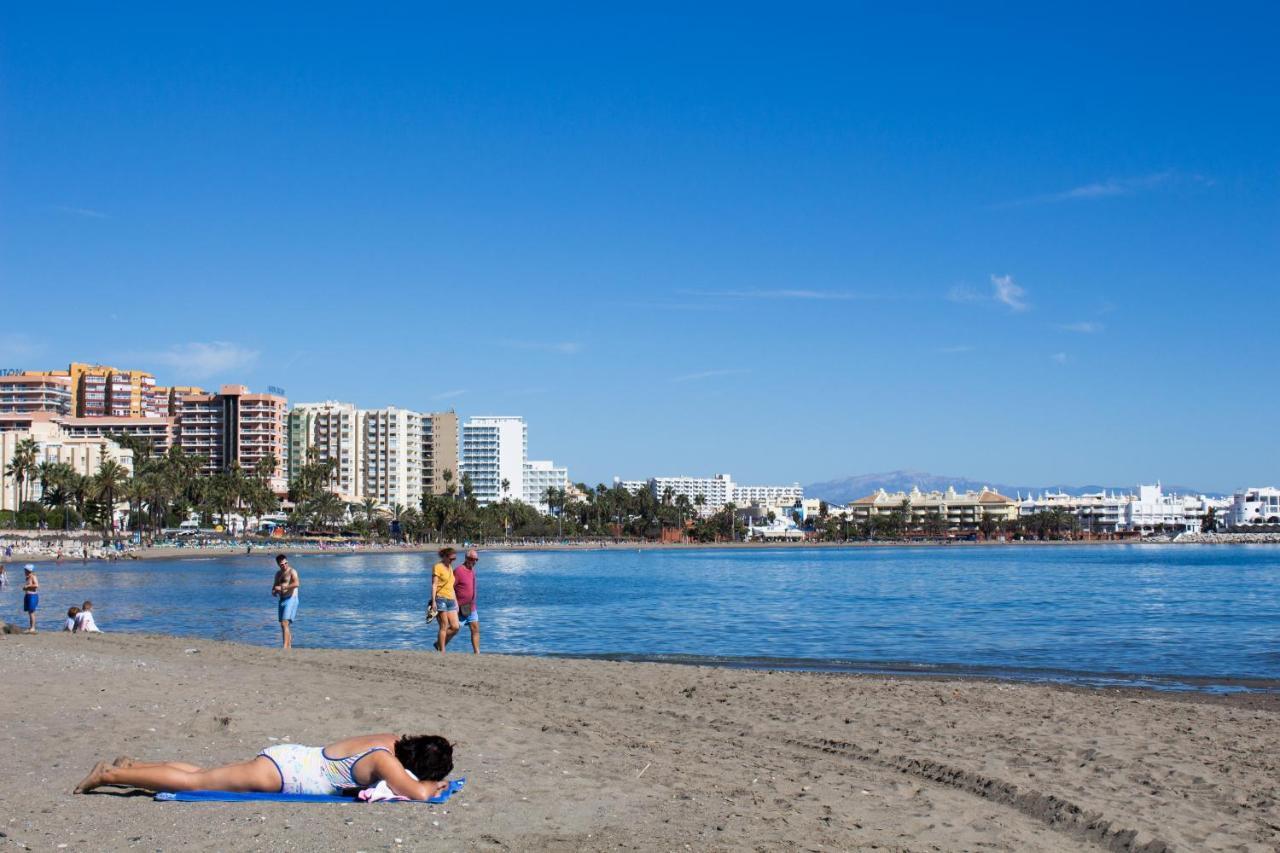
<point x="370" y="506"/>
<point x="105" y="485"/>
<point x="22" y="468"/>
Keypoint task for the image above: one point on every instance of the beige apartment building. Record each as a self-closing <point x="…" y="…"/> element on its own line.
<point x="439" y="451"/>
<point x="235" y="425"/>
<point x="392" y="452"/>
<point x="83" y="454"/>
<point x="960" y="511"/>
<point x="329" y="431"/>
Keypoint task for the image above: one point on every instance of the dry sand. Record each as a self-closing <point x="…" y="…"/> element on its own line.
<point x="571" y="754"/>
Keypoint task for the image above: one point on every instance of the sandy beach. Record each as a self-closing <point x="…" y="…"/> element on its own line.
<point x="576" y="754"/>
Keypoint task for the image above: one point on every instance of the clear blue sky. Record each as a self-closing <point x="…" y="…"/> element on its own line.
<point x="786" y="241"/>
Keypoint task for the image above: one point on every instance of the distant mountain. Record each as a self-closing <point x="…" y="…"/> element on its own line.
<point x="851" y="488"/>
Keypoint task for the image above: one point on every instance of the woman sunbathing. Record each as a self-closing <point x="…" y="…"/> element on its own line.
<point x="342" y="767"/>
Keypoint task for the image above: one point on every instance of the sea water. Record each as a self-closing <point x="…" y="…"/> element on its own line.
<point x="1201" y="617"/>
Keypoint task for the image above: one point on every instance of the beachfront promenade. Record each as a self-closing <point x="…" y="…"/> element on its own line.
<point x="572" y="754"/>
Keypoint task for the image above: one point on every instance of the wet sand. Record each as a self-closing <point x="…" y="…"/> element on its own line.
<point x="580" y="754"/>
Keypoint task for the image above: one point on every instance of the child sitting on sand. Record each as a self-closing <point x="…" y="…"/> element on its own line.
<point x="292" y="769"/>
<point x="72" y="613"/>
<point x="84" y="622"/>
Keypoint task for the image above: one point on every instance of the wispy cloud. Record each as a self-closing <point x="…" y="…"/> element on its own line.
<point x="17" y="346"/>
<point x="794" y="294"/>
<point x="1113" y="187"/>
<point x="1058" y="358"/>
<point x="1007" y="291"/>
<point x="200" y="360"/>
<point x="78" y="211"/>
<point x="1084" y="327"/>
<point x="706" y="374"/>
<point x="449" y="395"/>
<point x="963" y="293"/>
<point x="559" y="347"/>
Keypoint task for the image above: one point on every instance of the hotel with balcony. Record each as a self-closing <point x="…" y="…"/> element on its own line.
<point x="959" y="511"/>
<point x="22" y="392"/>
<point x="329" y="431"/>
<point x="494" y="453"/>
<point x="235" y="425"/>
<point x="715" y="492"/>
<point x="392" y="441"/>
<point x="439" y="451"/>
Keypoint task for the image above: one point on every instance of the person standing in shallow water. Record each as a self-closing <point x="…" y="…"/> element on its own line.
<point x="444" y="601"/>
<point x="30" y="595"/>
<point x="285" y="587"/>
<point x="464" y="587"/>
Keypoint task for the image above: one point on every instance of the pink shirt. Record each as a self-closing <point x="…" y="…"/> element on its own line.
<point x="464" y="585"/>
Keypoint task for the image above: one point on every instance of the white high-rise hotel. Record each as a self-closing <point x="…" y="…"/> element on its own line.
<point x="495" y="453"/>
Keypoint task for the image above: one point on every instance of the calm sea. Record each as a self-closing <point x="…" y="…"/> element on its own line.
<point x="1177" y="616"/>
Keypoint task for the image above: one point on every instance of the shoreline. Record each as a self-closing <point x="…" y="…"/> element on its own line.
<point x="569" y="754"/>
<point x="158" y="552"/>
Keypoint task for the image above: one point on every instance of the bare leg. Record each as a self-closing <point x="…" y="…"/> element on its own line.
<point x="475" y="637"/>
<point x="31" y="617"/>
<point x="442" y="638"/>
<point x="126" y="761"/>
<point x="286" y="634"/>
<point x="259" y="774"/>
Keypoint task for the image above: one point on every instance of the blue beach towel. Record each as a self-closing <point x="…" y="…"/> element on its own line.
<point x="256" y="796"/>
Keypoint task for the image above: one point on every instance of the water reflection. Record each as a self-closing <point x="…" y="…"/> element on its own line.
<point x="1148" y="609"/>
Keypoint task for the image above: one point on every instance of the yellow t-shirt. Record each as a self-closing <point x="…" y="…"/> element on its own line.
<point x="443" y="581"/>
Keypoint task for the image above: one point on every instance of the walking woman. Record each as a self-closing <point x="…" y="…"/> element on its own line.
<point x="444" y="601"/>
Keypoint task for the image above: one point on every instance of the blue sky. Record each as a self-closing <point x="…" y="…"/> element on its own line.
<point x="788" y="241"/>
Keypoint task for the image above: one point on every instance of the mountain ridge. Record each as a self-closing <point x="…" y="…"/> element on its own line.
<point x="845" y="489"/>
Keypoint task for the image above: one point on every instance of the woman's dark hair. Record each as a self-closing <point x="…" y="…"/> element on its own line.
<point x="429" y="757"/>
<point x="445" y="553"/>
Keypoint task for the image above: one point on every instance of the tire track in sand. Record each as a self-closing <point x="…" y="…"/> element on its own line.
<point x="1055" y="812"/>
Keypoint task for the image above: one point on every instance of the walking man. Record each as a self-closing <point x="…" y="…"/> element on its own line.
<point x="285" y="587"/>
<point x="30" y="595"/>
<point x="464" y="586"/>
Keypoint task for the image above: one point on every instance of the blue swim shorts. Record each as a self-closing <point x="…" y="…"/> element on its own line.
<point x="30" y="602"/>
<point x="446" y="605"/>
<point x="289" y="608"/>
<point x="472" y="618"/>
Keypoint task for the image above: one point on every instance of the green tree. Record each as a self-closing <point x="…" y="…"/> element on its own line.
<point x="105" y="486"/>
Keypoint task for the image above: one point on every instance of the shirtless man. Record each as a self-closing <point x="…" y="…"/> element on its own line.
<point x="285" y="587"/>
<point x="30" y="595"/>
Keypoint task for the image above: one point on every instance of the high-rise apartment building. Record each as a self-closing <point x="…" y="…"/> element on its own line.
<point x="235" y="426"/>
<point x="99" y="391"/>
<point x="439" y="451"/>
<point x="168" y="398"/>
<point x="392" y="453"/>
<point x="329" y="431"/>
<point x="494" y="452"/>
<point x="22" y="392"/>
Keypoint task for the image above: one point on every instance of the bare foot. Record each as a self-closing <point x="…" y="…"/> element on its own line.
<point x="123" y="761"/>
<point x="93" y="780"/>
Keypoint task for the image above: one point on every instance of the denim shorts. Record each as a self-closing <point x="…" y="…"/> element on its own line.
<point x="446" y="605"/>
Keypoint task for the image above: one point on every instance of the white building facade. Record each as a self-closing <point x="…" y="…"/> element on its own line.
<point x="494" y="453"/>
<point x="84" y="454"/>
<point x="540" y="475"/>
<point x="715" y="492"/>
<point x="1256" y="505"/>
<point x="1149" y="510"/>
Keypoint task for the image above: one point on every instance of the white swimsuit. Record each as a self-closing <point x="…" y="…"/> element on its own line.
<point x="307" y="770"/>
